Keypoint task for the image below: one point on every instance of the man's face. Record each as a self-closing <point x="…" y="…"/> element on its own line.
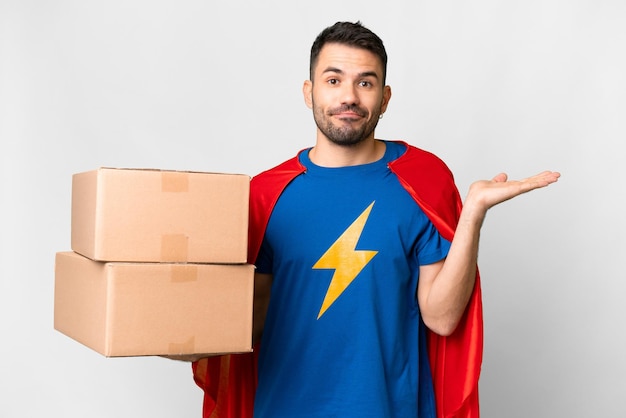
<point x="347" y="94"/>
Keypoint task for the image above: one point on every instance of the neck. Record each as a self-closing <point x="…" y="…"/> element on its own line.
<point x="328" y="154"/>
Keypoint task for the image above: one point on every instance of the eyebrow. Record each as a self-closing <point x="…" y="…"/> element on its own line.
<point x="339" y="71"/>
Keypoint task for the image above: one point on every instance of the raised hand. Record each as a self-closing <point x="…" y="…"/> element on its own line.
<point x="445" y="288"/>
<point x="484" y="194"/>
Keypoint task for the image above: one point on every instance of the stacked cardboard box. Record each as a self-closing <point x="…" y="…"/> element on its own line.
<point x="158" y="264"/>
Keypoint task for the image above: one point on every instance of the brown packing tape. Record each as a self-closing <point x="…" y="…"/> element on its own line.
<point x="174" y="247"/>
<point x="174" y="181"/>
<point x="186" y="347"/>
<point x="181" y="273"/>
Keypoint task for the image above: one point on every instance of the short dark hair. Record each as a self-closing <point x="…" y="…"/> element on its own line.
<point x="350" y="34"/>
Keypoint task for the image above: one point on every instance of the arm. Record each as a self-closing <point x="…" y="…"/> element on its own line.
<point x="262" y="289"/>
<point x="445" y="287"/>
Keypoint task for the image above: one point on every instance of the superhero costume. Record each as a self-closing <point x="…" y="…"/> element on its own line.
<point x="343" y="334"/>
<point x="229" y="381"/>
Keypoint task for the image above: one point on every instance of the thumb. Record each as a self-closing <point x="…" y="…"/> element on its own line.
<point x="502" y="177"/>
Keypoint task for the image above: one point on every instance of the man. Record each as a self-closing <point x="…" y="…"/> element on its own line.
<point x="370" y="261"/>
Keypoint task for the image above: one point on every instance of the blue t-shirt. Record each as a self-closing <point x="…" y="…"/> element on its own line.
<point x="343" y="335"/>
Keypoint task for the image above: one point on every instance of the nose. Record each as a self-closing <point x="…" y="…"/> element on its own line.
<point x="349" y="94"/>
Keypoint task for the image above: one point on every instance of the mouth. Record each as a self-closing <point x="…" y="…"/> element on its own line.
<point x="347" y="116"/>
<point x="348" y="112"/>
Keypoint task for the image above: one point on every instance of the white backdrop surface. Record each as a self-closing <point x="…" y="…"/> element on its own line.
<point x="489" y="86"/>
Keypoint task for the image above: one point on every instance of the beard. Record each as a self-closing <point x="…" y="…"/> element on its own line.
<point x="346" y="134"/>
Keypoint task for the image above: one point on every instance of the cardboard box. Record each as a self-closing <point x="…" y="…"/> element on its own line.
<point x="138" y="309"/>
<point x="153" y="215"/>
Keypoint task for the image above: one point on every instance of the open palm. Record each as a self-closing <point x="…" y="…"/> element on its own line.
<point x="488" y="193"/>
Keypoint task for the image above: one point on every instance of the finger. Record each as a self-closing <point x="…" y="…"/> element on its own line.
<point x="548" y="176"/>
<point x="500" y="178"/>
<point x="542" y="179"/>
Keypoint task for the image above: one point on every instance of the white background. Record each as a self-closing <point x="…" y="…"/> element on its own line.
<point x="489" y="86"/>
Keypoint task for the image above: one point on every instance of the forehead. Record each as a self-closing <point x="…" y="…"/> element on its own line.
<point x="347" y="59"/>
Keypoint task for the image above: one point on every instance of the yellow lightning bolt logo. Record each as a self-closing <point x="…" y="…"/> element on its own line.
<point x="343" y="257"/>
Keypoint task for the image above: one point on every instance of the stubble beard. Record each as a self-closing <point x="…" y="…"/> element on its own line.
<point x="345" y="135"/>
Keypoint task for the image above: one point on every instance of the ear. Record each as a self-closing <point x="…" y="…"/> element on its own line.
<point x="307" y="92"/>
<point x="386" y="98"/>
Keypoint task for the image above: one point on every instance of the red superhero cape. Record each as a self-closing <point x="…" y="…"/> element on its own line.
<point x="229" y="381"/>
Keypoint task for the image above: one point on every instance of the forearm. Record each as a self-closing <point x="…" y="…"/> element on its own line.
<point x="445" y="296"/>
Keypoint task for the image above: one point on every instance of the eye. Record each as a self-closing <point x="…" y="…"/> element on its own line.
<point x="333" y="81"/>
<point x="365" y="83"/>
